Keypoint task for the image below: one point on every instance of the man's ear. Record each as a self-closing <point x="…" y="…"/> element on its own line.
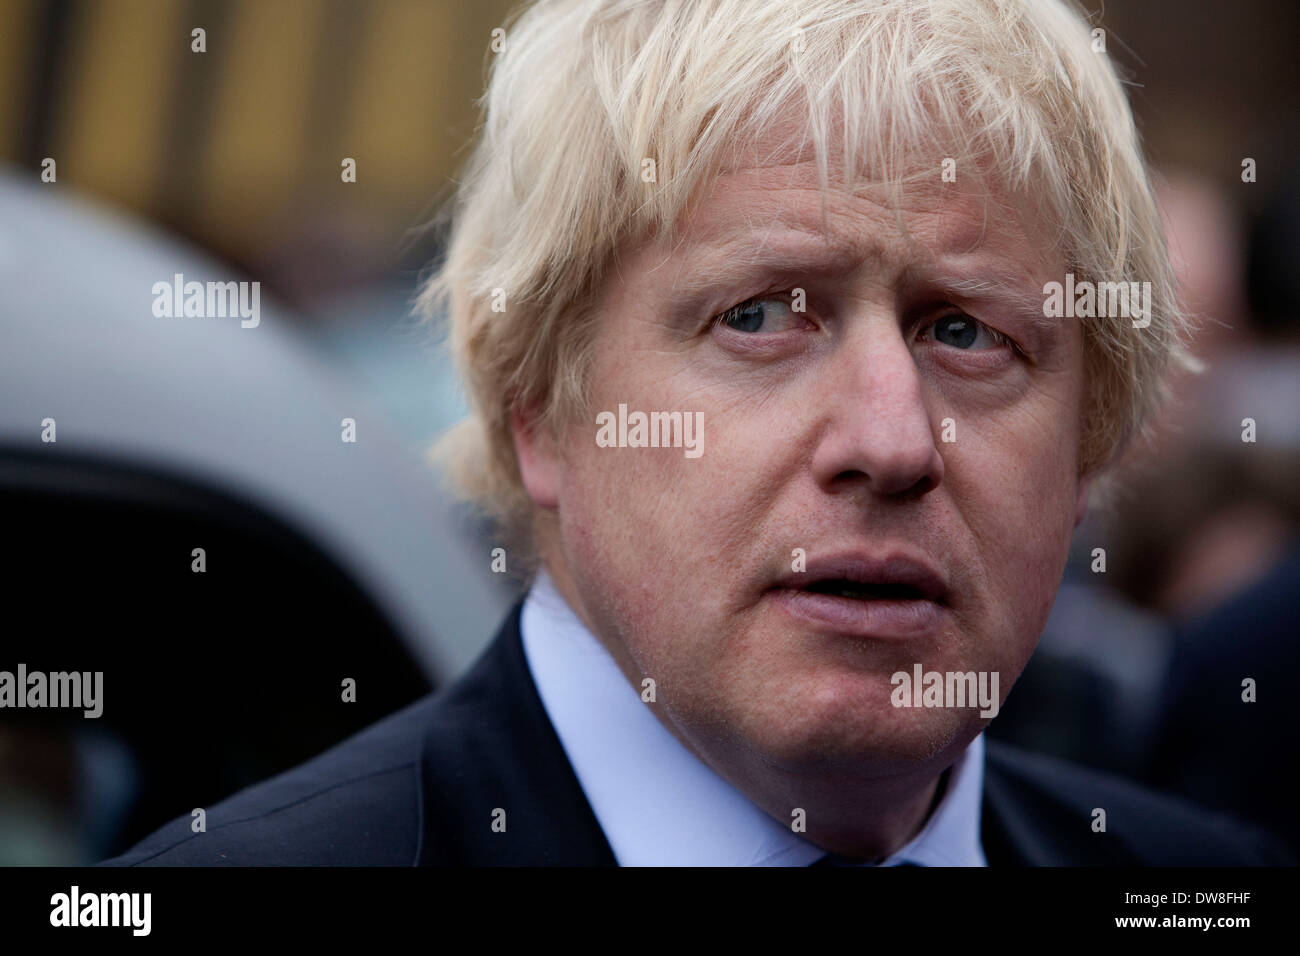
<point x="1081" y="503"/>
<point x="538" y="462"/>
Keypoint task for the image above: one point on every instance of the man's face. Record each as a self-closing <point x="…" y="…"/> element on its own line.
<point x="914" y="431"/>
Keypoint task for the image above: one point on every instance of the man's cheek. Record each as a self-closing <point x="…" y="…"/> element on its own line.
<point x="1011" y="479"/>
<point x="1022" y="462"/>
<point x="641" y="499"/>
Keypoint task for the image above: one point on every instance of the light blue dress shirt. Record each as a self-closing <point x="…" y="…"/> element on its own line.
<point x="656" y="802"/>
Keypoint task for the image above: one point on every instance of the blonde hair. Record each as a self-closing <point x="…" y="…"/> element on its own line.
<point x="585" y="90"/>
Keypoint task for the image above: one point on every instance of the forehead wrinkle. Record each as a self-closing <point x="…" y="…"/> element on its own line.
<point x="746" y="210"/>
<point x="924" y="224"/>
<point x="809" y="252"/>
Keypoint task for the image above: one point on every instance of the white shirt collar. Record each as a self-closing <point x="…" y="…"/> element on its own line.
<point x="658" y="804"/>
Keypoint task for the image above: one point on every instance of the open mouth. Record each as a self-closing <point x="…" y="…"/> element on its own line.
<point x="858" y="593"/>
<point x="866" y="590"/>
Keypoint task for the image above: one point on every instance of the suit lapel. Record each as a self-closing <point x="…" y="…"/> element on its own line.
<point x="1006" y="832"/>
<point x="1029" y="819"/>
<point x="492" y="755"/>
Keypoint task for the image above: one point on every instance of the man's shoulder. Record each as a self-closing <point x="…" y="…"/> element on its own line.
<point x="1072" y="814"/>
<point x="357" y="803"/>
<point x="427" y="785"/>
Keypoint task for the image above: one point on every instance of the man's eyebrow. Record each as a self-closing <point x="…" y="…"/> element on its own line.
<point x="790" y="251"/>
<point x="728" y="258"/>
<point x="1025" y="303"/>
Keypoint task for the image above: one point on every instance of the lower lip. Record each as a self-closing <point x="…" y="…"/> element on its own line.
<point x="885" y="618"/>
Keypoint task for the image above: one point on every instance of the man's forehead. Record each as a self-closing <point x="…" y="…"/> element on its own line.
<point x="782" y="157"/>
<point x="920" y="219"/>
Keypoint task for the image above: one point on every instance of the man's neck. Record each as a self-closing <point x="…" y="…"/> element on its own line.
<point x="858" y="818"/>
<point x="862" y="819"/>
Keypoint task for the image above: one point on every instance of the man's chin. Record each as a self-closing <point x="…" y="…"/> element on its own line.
<point x="864" y="742"/>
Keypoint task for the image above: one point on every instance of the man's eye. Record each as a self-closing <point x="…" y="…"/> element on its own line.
<point x="963" y="332"/>
<point x="761" y="314"/>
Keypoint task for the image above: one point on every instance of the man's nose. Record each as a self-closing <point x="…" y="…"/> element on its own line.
<point x="877" y="433"/>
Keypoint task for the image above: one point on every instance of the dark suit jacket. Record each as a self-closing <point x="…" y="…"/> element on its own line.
<point x="421" y="786"/>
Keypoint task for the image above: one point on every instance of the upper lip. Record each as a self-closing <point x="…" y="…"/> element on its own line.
<point x="864" y="568"/>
